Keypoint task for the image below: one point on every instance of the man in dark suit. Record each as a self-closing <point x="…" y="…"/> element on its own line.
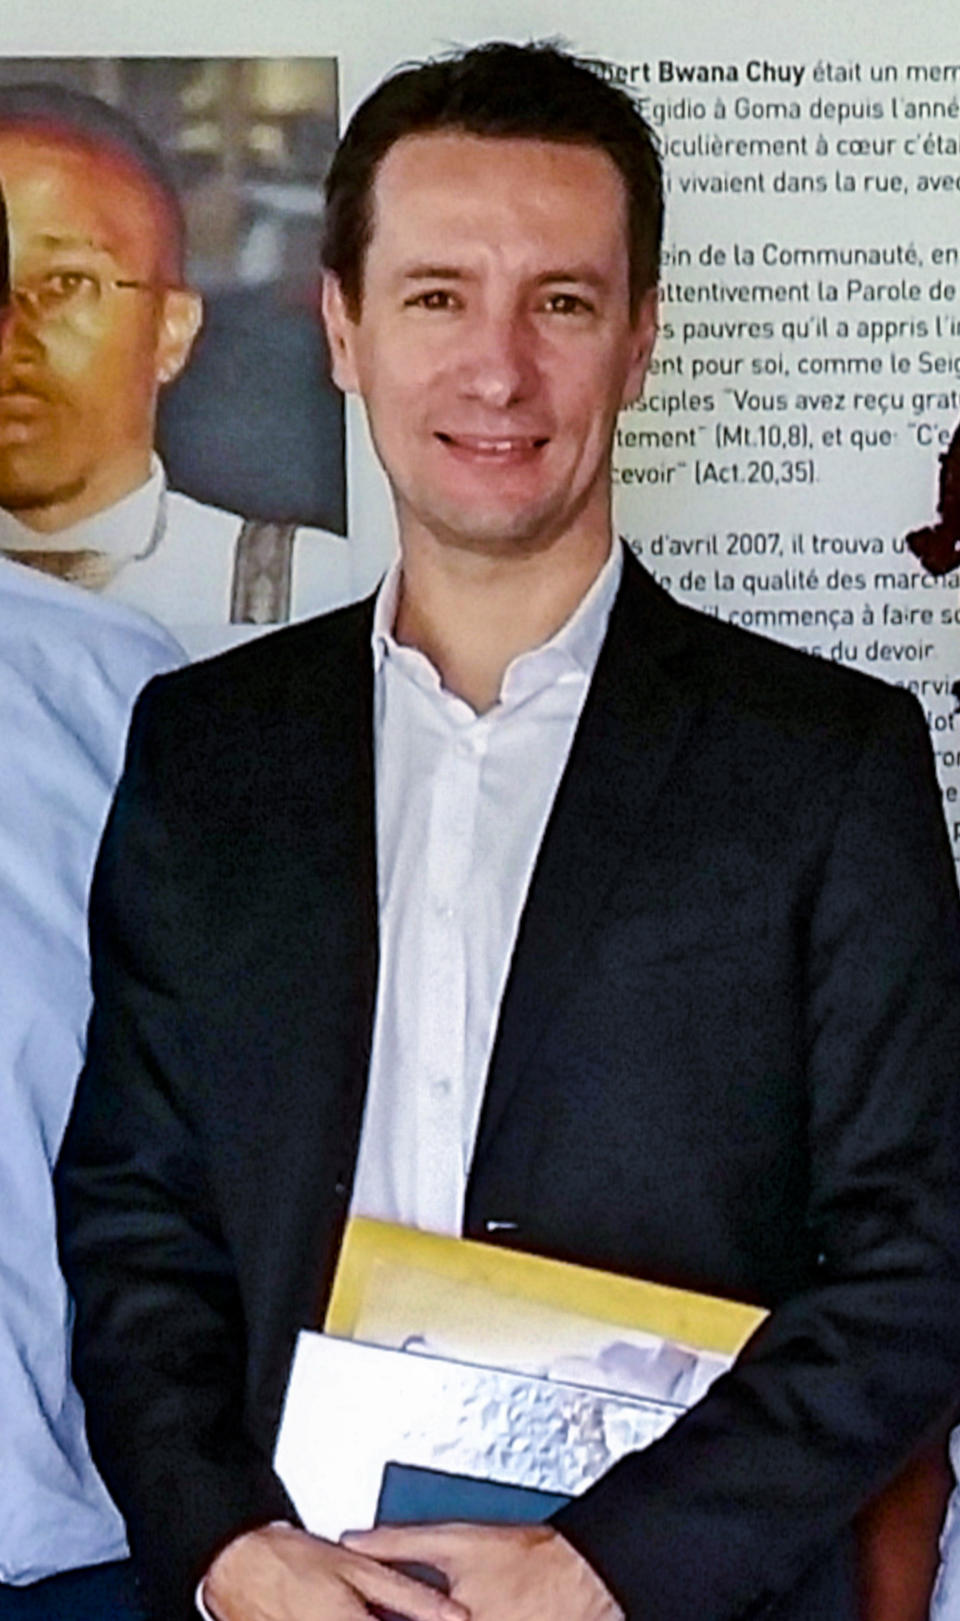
<point x="561" y="916"/>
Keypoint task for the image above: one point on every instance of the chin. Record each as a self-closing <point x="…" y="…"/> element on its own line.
<point x="497" y="533"/>
<point x="26" y="491"/>
<point x="17" y="496"/>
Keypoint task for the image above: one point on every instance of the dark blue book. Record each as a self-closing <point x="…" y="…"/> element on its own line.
<point x="413" y="1496"/>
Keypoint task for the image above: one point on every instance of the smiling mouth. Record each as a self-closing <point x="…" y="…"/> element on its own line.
<point x="499" y="449"/>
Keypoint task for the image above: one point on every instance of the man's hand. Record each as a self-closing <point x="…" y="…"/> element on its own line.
<point x="500" y="1572"/>
<point x="278" y="1573"/>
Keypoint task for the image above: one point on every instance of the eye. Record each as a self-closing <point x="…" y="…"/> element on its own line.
<point x="67" y="287"/>
<point x="432" y="298"/>
<point x="568" y="304"/>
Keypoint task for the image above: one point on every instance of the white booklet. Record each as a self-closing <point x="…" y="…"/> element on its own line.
<point x="359" y="1421"/>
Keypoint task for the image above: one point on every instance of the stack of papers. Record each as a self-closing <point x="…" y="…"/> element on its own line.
<point x="448" y="1368"/>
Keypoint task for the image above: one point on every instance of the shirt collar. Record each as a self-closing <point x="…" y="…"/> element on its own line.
<point x="124" y="530"/>
<point x="574" y="647"/>
<point x="384" y="614"/>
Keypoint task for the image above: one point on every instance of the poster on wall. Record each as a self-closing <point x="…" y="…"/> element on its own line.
<point x="794" y="447"/>
<point x="169" y="432"/>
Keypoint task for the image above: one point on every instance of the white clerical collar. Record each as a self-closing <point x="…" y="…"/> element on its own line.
<point x="130" y="528"/>
<point x="575" y="645"/>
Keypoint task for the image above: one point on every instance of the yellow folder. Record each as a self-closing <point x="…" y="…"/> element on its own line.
<point x="375" y="1253"/>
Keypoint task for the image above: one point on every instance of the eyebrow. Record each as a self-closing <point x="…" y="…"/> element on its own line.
<point x="427" y="272"/>
<point x="580" y="275"/>
<point x="575" y="275"/>
<point x="51" y="239"/>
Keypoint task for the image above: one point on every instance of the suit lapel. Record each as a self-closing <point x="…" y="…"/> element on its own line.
<point x="349" y="857"/>
<point x="328" y="825"/>
<point x="633" y="722"/>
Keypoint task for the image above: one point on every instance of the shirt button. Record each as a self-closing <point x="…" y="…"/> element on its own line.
<point x="440" y="1089"/>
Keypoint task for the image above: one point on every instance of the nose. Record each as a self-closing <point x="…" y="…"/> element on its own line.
<point x="18" y="328"/>
<point x="8" y="316"/>
<point x="500" y="366"/>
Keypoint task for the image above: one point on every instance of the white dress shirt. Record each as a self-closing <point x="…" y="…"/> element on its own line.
<point x="174" y="558"/>
<point x="70" y="667"/>
<point x="462" y="802"/>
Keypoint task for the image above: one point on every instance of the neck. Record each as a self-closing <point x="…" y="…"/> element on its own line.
<point x="472" y="615"/>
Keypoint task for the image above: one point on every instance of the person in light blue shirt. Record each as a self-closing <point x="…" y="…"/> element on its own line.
<point x="71" y="665"/>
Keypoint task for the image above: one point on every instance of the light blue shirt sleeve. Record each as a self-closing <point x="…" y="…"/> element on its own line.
<point x="71" y="666"/>
<point x="946" y="1593"/>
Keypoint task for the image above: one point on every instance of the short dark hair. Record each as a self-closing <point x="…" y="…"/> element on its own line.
<point x="85" y="120"/>
<point x="535" y="91"/>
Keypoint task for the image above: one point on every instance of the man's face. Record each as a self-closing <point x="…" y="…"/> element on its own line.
<point x="494" y="346"/>
<point x="79" y="375"/>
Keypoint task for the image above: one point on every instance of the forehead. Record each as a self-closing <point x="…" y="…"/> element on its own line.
<point x="502" y="194"/>
<point x="65" y="193"/>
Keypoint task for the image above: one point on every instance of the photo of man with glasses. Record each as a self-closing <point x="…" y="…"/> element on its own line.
<point x="99" y="319"/>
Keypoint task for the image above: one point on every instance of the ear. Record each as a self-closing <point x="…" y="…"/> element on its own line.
<point x="645" y="327"/>
<point x="341" y="332"/>
<point x="181" y="315"/>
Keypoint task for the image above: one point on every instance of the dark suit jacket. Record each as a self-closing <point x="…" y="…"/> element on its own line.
<point x="726" y="1058"/>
